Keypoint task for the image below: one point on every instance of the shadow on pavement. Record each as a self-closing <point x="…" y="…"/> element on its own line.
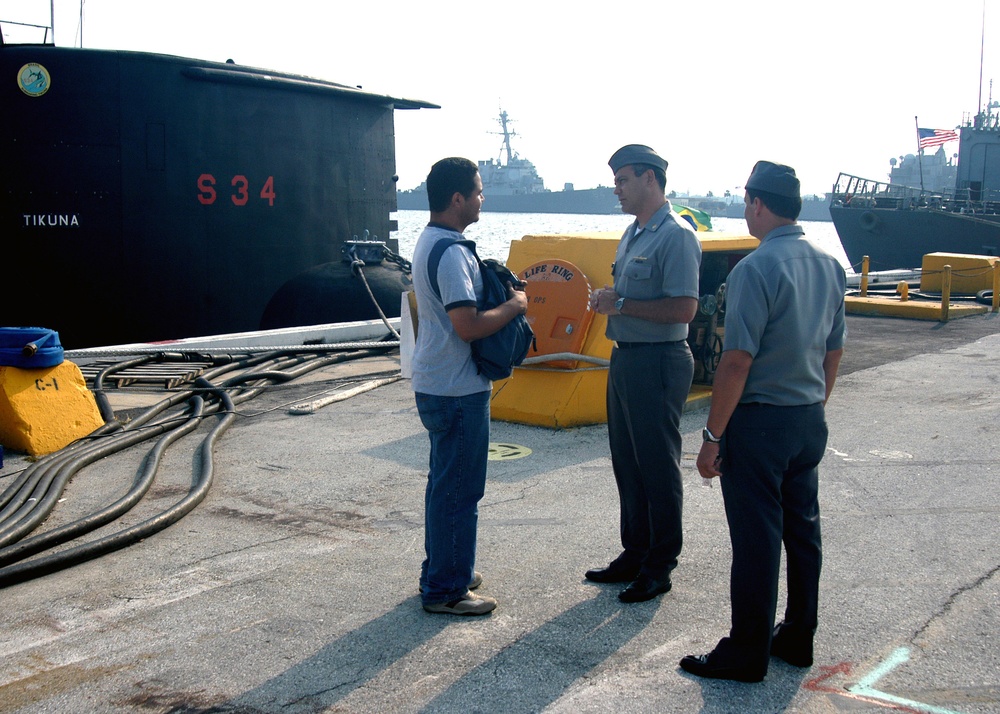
<point x="536" y="670"/>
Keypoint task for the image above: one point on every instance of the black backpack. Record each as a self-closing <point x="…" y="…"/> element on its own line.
<point x="495" y="355"/>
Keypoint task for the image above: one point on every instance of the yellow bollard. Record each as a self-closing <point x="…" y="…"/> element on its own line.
<point x="945" y="293"/>
<point x="43" y="410"/>
<point x="864" y="276"/>
<point x="903" y="289"/>
<point x="996" y="285"/>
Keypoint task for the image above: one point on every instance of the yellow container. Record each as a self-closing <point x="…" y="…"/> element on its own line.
<point x="969" y="273"/>
<point x="564" y="398"/>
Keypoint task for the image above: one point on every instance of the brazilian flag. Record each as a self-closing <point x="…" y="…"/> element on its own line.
<point x="699" y="220"/>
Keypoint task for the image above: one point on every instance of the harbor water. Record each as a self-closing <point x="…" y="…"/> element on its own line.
<point x="494" y="231"/>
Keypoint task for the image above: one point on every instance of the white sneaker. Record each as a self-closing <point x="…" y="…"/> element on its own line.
<point x="468" y="604"/>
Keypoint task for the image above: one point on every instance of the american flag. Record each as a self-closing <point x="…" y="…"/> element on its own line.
<point x="927" y="138"/>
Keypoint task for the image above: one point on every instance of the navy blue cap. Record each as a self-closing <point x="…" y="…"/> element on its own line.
<point x="636" y="154"/>
<point x="774" y="178"/>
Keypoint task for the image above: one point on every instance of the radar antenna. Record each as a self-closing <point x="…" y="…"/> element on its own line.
<point x="507" y="133"/>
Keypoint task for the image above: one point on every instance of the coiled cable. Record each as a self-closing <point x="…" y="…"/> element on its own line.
<point x="33" y="495"/>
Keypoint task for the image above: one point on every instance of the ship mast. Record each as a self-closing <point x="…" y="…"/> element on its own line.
<point x="506" y="136"/>
<point x="982" y="52"/>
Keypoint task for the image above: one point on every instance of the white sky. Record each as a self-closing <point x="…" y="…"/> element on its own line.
<point x="712" y="85"/>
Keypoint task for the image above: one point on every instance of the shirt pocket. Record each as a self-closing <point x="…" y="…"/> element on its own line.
<point x="642" y="280"/>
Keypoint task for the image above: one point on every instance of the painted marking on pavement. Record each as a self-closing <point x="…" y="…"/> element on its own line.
<point x="507" y="452"/>
<point x="890" y="454"/>
<point x="826" y="672"/>
<point x="866" y="688"/>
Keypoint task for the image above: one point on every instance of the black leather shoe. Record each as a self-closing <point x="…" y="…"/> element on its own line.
<point x="794" y="648"/>
<point x="645" y="588"/>
<point x="708" y="666"/>
<point x="614" y="573"/>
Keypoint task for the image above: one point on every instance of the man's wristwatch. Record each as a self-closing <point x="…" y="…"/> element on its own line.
<point x="708" y="436"/>
<point x="619" y="304"/>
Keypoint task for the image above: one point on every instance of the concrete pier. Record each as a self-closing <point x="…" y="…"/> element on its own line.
<point x="293" y="586"/>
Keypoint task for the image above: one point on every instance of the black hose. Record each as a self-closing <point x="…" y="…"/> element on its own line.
<point x="21" y="572"/>
<point x="36" y="544"/>
<point x="45" y="481"/>
<point x="33" y="496"/>
<point x="107" y="413"/>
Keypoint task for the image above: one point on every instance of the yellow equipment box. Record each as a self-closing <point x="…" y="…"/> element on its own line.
<point x="969" y="273"/>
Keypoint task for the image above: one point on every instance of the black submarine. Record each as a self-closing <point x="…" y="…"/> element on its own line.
<point x="148" y="197"/>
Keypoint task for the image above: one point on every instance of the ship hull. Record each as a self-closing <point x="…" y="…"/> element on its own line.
<point x="895" y="238"/>
<point x="154" y="197"/>
<point x="811" y="211"/>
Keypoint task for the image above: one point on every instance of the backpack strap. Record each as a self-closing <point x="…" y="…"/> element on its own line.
<point x="434" y="259"/>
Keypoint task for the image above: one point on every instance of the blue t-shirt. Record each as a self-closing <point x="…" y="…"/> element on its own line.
<point x="785" y="306"/>
<point x="442" y="361"/>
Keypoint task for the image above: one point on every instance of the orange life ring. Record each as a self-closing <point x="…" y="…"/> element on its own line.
<point x="558" y="308"/>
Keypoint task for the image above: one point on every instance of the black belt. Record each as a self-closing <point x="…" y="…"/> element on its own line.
<point x="630" y="345"/>
<point x="776" y="406"/>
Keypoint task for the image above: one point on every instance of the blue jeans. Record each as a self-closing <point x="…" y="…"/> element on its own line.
<point x="459" y="430"/>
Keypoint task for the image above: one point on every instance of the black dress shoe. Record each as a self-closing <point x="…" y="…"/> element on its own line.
<point x="614" y="573"/>
<point x="645" y="588"/>
<point x="794" y="648"/>
<point x="708" y="666"/>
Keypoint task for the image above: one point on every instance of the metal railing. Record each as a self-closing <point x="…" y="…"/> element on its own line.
<point x="856" y="192"/>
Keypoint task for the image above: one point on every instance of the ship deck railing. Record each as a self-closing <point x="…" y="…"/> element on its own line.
<point x="861" y="193"/>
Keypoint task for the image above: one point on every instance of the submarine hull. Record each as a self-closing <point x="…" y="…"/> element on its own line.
<point x="150" y="197"/>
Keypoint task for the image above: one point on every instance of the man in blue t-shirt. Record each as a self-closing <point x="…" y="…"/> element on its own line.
<point x="766" y="431"/>
<point x="452" y="398"/>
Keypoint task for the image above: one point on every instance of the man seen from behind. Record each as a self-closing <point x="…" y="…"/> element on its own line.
<point x="767" y="432"/>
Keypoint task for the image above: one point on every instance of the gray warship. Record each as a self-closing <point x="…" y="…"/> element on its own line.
<point x="895" y="224"/>
<point x="511" y="184"/>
